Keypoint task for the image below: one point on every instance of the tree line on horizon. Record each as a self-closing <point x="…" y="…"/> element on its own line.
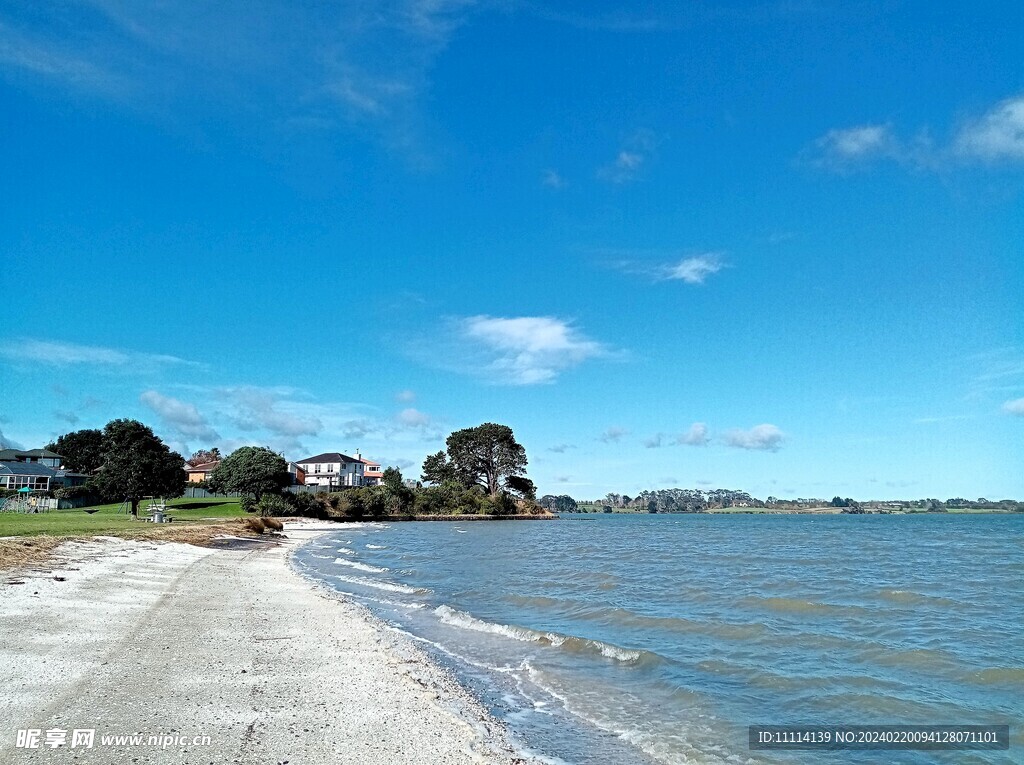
<point x="699" y="501"/>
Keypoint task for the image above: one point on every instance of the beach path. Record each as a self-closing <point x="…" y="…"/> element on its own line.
<point x="169" y="640"/>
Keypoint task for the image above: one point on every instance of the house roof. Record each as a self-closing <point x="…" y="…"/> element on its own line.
<point x="202" y="467"/>
<point x="328" y="457"/>
<point x="7" y="455"/>
<point x="14" y="467"/>
<point x="370" y="463"/>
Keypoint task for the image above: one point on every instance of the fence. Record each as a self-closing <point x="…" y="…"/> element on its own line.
<point x="194" y="492"/>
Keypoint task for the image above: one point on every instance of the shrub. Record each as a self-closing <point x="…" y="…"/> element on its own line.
<point x="273" y="523"/>
<point x="349" y="504"/>
<point x="74" y="492"/>
<point x="248" y="504"/>
<point x="308" y="505"/>
<point x="502" y="504"/>
<point x="271" y="505"/>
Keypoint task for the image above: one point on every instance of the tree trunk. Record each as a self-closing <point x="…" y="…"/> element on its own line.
<point x="135" y="507"/>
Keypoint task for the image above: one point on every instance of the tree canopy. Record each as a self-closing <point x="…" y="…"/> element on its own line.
<point x="252" y="470"/>
<point x="203" y="456"/>
<point x="487" y="456"/>
<point x="82" y="450"/>
<point x="137" y="464"/>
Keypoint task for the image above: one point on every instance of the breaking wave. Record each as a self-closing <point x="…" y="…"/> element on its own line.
<point x="450" y="616"/>
<point x="360" y="566"/>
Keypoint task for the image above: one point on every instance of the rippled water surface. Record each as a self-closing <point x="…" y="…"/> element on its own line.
<point x="660" y="638"/>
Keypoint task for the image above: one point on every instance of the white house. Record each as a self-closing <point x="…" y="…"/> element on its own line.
<point x="332" y="470"/>
<point x="372" y="473"/>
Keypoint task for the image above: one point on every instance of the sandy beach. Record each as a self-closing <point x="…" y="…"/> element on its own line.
<point x="228" y="652"/>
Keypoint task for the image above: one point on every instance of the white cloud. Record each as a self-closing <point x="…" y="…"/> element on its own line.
<point x="697" y="435"/>
<point x="856" y="143"/>
<point x="528" y="350"/>
<point x="654" y="442"/>
<point x="413" y="418"/>
<point x="1016" y="406"/>
<point x="405" y="396"/>
<point x="761" y="437"/>
<point x="183" y="418"/>
<point x="995" y="136"/>
<point x="696" y="269"/>
<point x="613" y="435"/>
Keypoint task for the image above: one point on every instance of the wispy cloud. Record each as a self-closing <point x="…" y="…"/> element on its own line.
<point x="996" y="136"/>
<point x="35" y="53"/>
<point x="654" y="442"/>
<point x="613" y="435"/>
<point x="7" y="443"/>
<point x="348" y="65"/>
<point x="181" y="417"/>
<point x="561" y="448"/>
<point x="69" y="417"/>
<point x="761" y="437"/>
<point x="631" y="159"/>
<point x="697" y="435"/>
<point x="60" y="354"/>
<point x="1015" y="406"/>
<point x="845" y="147"/>
<point x="525" y="350"/>
<point x="272" y="410"/>
<point x="405" y="396"/>
<point x="553" y="180"/>
<point x="695" y="269"/>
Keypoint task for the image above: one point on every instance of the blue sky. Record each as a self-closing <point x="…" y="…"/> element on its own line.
<point x="775" y="247"/>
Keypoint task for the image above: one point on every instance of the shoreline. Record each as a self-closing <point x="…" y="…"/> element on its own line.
<point x="232" y="643"/>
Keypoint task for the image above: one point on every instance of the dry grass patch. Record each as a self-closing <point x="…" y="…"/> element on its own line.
<point x="24" y="551"/>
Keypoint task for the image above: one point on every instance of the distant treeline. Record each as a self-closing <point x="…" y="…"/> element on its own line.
<point x="699" y="501"/>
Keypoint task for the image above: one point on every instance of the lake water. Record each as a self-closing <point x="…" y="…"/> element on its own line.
<point x="660" y="638"/>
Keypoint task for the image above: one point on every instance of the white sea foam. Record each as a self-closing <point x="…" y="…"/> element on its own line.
<point x="378" y="585"/>
<point x="346" y="551"/>
<point x="449" y="615"/>
<point x="376" y="547"/>
<point x="360" y="566"/>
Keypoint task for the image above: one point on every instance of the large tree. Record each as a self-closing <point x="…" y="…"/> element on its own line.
<point x="204" y="456"/>
<point x="137" y="464"/>
<point x="252" y="470"/>
<point x="82" y="450"/>
<point x="487" y="456"/>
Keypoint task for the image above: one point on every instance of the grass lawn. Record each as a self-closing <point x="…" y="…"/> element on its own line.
<point x="106" y="519"/>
